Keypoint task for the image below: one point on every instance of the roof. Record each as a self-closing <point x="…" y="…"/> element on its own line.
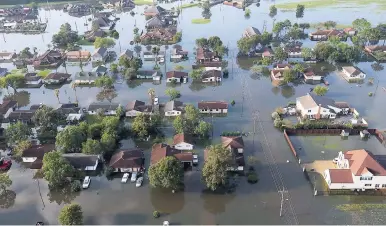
<point x="182" y="137"/>
<point x="348" y="29"/>
<point x="154" y="10"/>
<point x="250" y="31"/>
<point x="211" y="73"/>
<point x="138" y="106"/>
<point x="130" y="158"/>
<point x="160" y="151"/>
<point x="3" y="70"/>
<point x="80" y="54"/>
<point x="232" y="142"/>
<point x="66" y="109"/>
<point x="352" y="70"/>
<point x="5" y="54"/>
<point x="176" y="74"/>
<point x="343" y="176"/>
<point x="361" y="162"/>
<point x="173" y="105"/>
<point x="38" y="151"/>
<point x="127" y="53"/>
<point x="57" y="76"/>
<point x="331" y="32"/>
<point x="309" y="72"/>
<point x="100" y="51"/>
<point x="6" y="105"/>
<point x="154" y="22"/>
<point x="31" y="77"/>
<point x="102" y="105"/>
<point x="21" y="115"/>
<point x="204" y="53"/>
<point x="283" y="66"/>
<point x="277" y="73"/>
<point x="80" y="160"/>
<point x="212" y="105"/>
<point x="312" y="100"/>
<point x="376" y="48"/>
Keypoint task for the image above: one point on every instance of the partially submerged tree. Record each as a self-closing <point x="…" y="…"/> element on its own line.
<point x="56" y="169"/>
<point x="70" y="139"/>
<point x="320" y="90"/>
<point x="173" y="93"/>
<point x="5" y="182"/>
<point x="71" y="215"/>
<point x="17" y="132"/>
<point x="167" y="173"/>
<point x="104" y="42"/>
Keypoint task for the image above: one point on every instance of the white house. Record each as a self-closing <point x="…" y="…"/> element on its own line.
<point x="32" y="79"/>
<point x="176" y="76"/>
<point x="73" y="117"/>
<point x="314" y="107"/>
<point x="211" y="76"/>
<point x="351" y="73"/>
<point x="173" y="108"/>
<point x="6" y="56"/>
<point x="100" y="54"/>
<point x="136" y="107"/>
<point x="107" y="108"/>
<point x="356" y="170"/>
<point x="311" y="77"/>
<point x="213" y="107"/>
<point x="129" y="160"/>
<point x="82" y="161"/>
<point x="183" y="142"/>
<point x="235" y="144"/>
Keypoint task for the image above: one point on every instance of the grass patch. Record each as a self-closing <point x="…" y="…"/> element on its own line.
<point x="143" y="2"/>
<point x="84" y="42"/>
<point x="331" y="3"/>
<point x="189" y="5"/>
<point x="43" y="74"/>
<point x="360" y="207"/>
<point x="200" y="21"/>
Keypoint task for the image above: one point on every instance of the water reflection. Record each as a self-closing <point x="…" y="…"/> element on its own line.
<point x="165" y="201"/>
<point x="62" y="195"/>
<point x="255" y="76"/>
<point x="287" y="91"/>
<point x="216" y="203"/>
<point x="133" y="83"/>
<point x="107" y="94"/>
<point x="377" y="66"/>
<point x="197" y="86"/>
<point x="7" y="199"/>
<point x="22" y="98"/>
<point x="275" y="90"/>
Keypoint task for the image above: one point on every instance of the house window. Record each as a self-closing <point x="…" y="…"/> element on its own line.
<point x="383" y="185"/>
<point x="367" y="185"/>
<point x="366" y="178"/>
<point x="377" y="185"/>
<point x="309" y="110"/>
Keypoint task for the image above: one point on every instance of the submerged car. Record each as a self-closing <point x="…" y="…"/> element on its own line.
<point x="5" y="164"/>
<point x="139" y="182"/>
<point x="125" y="177"/>
<point x="134" y="177"/>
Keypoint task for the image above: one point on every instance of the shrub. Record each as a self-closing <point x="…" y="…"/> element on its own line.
<point x="252" y="178"/>
<point x="277" y="123"/>
<point x="233" y="102"/>
<point x="279" y="110"/>
<point x="108" y="171"/>
<point x="370" y="94"/>
<point x="291" y="104"/>
<point x="75" y="186"/>
<point x="225" y="73"/>
<point x="230" y="134"/>
<point x="275" y="115"/>
<point x="156" y="214"/>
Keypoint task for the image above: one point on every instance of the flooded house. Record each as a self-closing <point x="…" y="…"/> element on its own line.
<point x="93" y="34"/>
<point x="149" y="74"/>
<point x="49" y="59"/>
<point x="277" y="73"/>
<point x="16" y="10"/>
<point x="85" y="77"/>
<point x="106" y="108"/>
<point x="128" y="160"/>
<point x="352" y="74"/>
<point x="7" y="107"/>
<point x="78" y="56"/>
<point x="67" y="109"/>
<point x="250" y="31"/>
<point x="213" y="107"/>
<point x="33" y="156"/>
<point x="176" y="76"/>
<point x="3" y="72"/>
<point x="78" y="8"/>
<point x="211" y="76"/>
<point x="155" y="22"/>
<point x="82" y="161"/>
<point x="235" y="3"/>
<point x="56" y="78"/>
<point x="31" y="79"/>
<point x="160" y="151"/>
<point x="205" y="55"/>
<point x="7" y="56"/>
<point x="323" y="35"/>
<point x="100" y="55"/>
<point x="159" y="35"/>
<point x="350" y="31"/>
<point x="104" y="22"/>
<point x="136" y="107"/>
<point x="23" y="116"/>
<point x="155" y="10"/>
<point x="294" y="52"/>
<point x="174" y="108"/>
<point x="128" y="54"/>
<point x="183" y="141"/>
<point x="178" y="53"/>
<point x="311" y="77"/>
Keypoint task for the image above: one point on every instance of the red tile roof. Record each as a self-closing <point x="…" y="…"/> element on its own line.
<point x="232" y="142"/>
<point x="361" y="162"/>
<point x="176" y="74"/>
<point x="343" y="176"/>
<point x="160" y="151"/>
<point x="212" y="105"/>
<point x="182" y="137"/>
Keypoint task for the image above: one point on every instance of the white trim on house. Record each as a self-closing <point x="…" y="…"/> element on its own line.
<point x="173" y="113"/>
<point x="183" y="146"/>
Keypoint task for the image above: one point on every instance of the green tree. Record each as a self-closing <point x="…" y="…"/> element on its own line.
<point x="47" y="118"/>
<point x="21" y="147"/>
<point x="13" y="81"/>
<point x="266" y="38"/>
<point x="320" y="90"/>
<point x="141" y="125"/>
<point x="17" y="132"/>
<point x="5" y="182"/>
<point x="178" y="124"/>
<point x="71" y="215"/>
<point x="167" y="173"/>
<point x="288" y="76"/>
<point x="108" y="141"/>
<point x="104" y="42"/>
<point x="104" y="82"/>
<point x="172" y="93"/>
<point x="308" y="53"/>
<point x="202" y="42"/>
<point x="244" y="44"/>
<point x="114" y="68"/>
<point x="280" y="54"/>
<point x="192" y="114"/>
<point x="266" y="61"/>
<point x="304" y="26"/>
<point x="214" y="172"/>
<point x="92" y="147"/>
<point x="361" y="25"/>
<point x="66" y="37"/>
<point x="272" y="11"/>
<point x="178" y="67"/>
<point x="299" y="68"/>
<point x="110" y="124"/>
<point x="329" y="24"/>
<point x="56" y="169"/>
<point x="203" y="129"/>
<point x="70" y="139"/>
<point x="299" y="11"/>
<point x="323" y="50"/>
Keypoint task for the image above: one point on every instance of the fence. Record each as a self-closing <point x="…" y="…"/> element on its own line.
<point x="329" y="131"/>
<point x="290" y="144"/>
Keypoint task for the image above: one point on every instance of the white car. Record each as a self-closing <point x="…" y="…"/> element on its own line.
<point x="155" y="100"/>
<point x="125" y="177"/>
<point x="139" y="182"/>
<point x="133" y="177"/>
<point x="86" y="182"/>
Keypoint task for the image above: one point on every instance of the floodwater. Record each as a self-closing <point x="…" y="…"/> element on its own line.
<point x="110" y="202"/>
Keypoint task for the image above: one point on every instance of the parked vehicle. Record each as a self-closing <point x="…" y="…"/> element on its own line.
<point x="155" y="100"/>
<point x="139" y="182"/>
<point x="195" y="159"/>
<point x="86" y="182"/>
<point x="5" y="164"/>
<point x="335" y="160"/>
<point x="133" y="177"/>
<point x="125" y="177"/>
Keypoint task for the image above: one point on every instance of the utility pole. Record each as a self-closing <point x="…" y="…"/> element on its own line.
<point x="254" y="116"/>
<point x="282" y="200"/>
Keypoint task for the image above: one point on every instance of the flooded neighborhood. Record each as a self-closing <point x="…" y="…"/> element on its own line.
<point x="192" y="112"/>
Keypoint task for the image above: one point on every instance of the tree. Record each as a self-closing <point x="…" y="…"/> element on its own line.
<point x="304" y="26"/>
<point x="266" y="38"/>
<point x="21" y="147"/>
<point x="288" y="76"/>
<point x="214" y="41"/>
<point x="272" y="11"/>
<point x="5" y="182"/>
<point x="110" y="124"/>
<point x="178" y="124"/>
<point x="299" y="11"/>
<point x="320" y="90"/>
<point x="178" y="67"/>
<point x="104" y="82"/>
<point x="73" y="86"/>
<point x="14" y="81"/>
<point x="205" y="6"/>
<point x="214" y="172"/>
<point x="71" y="215"/>
<point x="173" y="93"/>
<point x="361" y="25"/>
<point x="202" y="129"/>
<point x="244" y="44"/>
<point x="66" y="37"/>
<point x="104" y="42"/>
<point x="192" y="114"/>
<point x="46" y="118"/>
<point x="17" y="132"/>
<point x="280" y="54"/>
<point x="167" y="173"/>
<point x="135" y="30"/>
<point x="108" y="141"/>
<point x="202" y="42"/>
<point x="151" y="94"/>
<point x="329" y="24"/>
<point x="114" y="68"/>
<point x="26" y="53"/>
<point x="92" y="147"/>
<point x="299" y="68"/>
<point x="141" y="125"/>
<point x="70" y="139"/>
<point x="323" y="50"/>
<point x="56" y="169"/>
<point x="56" y="92"/>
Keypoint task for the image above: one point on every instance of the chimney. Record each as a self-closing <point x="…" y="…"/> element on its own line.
<point x="318" y="114"/>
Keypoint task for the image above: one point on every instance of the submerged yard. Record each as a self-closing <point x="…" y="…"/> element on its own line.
<point x="380" y="4"/>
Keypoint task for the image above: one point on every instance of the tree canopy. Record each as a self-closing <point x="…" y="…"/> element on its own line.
<point x="213" y="43"/>
<point x="70" y="139"/>
<point x="56" y="169"/>
<point x="105" y="82"/>
<point x="289" y="76"/>
<point x="299" y="11"/>
<point x="66" y="37"/>
<point x="320" y="90"/>
<point x="13" y="81"/>
<point x="17" y="132"/>
<point x="71" y="215"/>
<point x="167" y="173"/>
<point x="173" y="93"/>
<point x="104" y="42"/>
<point x="92" y="147"/>
<point x="280" y="54"/>
<point x="46" y="118"/>
<point x="5" y="182"/>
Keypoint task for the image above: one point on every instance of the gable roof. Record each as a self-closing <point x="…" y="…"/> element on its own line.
<point x="343" y="176"/>
<point x="182" y="137"/>
<point x="80" y="160"/>
<point x="212" y="105"/>
<point x="127" y="53"/>
<point x="130" y="158"/>
<point x="102" y="105"/>
<point x="6" y="105"/>
<point x="155" y="22"/>
<point x="38" y="151"/>
<point x="352" y="70"/>
<point x="100" y="51"/>
<point x="133" y="105"/>
<point x="331" y="32"/>
<point x="57" y="76"/>
<point x="173" y="105"/>
<point x="211" y="73"/>
<point x="312" y="100"/>
<point x="250" y="31"/>
<point x="232" y="142"/>
<point x="361" y="162"/>
<point x="160" y="151"/>
<point x="176" y="74"/>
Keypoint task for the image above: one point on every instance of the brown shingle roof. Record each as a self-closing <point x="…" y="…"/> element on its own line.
<point x="343" y="176"/>
<point x="332" y="32"/>
<point x="232" y="142"/>
<point x="212" y="105"/>
<point x="176" y="74"/>
<point x="6" y="105"/>
<point x="182" y="137"/>
<point x="160" y="151"/>
<point x="361" y="162"/>
<point x="134" y="105"/>
<point x="38" y="151"/>
<point x="131" y="158"/>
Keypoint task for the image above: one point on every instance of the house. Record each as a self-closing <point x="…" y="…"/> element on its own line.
<point x="277" y="73"/>
<point x="213" y="107"/>
<point x="128" y="160"/>
<point x="352" y="74"/>
<point x="92" y="35"/>
<point x="155" y="22"/>
<point x="211" y="76"/>
<point x="31" y="79"/>
<point x="267" y="52"/>
<point x="127" y="54"/>
<point x="323" y="35"/>
<point x="78" y="8"/>
<point x="159" y="35"/>
<point x="154" y="11"/>
<point x="35" y="153"/>
<point x="74" y="118"/>
<point x="3" y="72"/>
<point x="85" y="78"/>
<point x="205" y="55"/>
<point x="294" y="52"/>
<point x="56" y="78"/>
<point x="49" y="59"/>
<point x="183" y="141"/>
<point x="356" y="170"/>
<point x="216" y="65"/>
<point x="176" y="76"/>
<point x="7" y="107"/>
<point x="160" y="151"/>
<point x="310" y="76"/>
<point x="149" y="74"/>
<point x="136" y="107"/>
<point x="147" y="55"/>
<point x="99" y="70"/>
<point x="235" y="144"/>
<point x="251" y="31"/>
<point x="82" y="161"/>
<point x="7" y="56"/>
<point x="350" y="31"/>
<point x="174" y="108"/>
<point x="125" y="4"/>
<point x="82" y="56"/>
<point x="316" y="107"/>
<point x="178" y="53"/>
<point x="67" y="109"/>
<point x="106" y="108"/>
<point x="100" y="55"/>
<point x="103" y="22"/>
<point x="375" y="48"/>
<point x="24" y="116"/>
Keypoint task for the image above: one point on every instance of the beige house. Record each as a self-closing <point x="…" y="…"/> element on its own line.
<point x="352" y="74"/>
